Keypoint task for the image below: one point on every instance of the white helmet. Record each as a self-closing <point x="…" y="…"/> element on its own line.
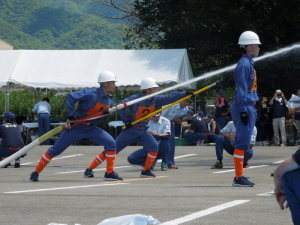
<point x="148" y="82"/>
<point x="106" y="76"/>
<point x="249" y="38"/>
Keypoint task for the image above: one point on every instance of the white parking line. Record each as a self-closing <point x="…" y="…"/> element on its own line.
<point x="120" y="167"/>
<point x="184" y="156"/>
<point x="62" y="188"/>
<point x="205" y="212"/>
<point x="278" y="162"/>
<point x="63" y="157"/>
<point x="81" y="171"/>
<point x="270" y="193"/>
<point x="251" y="167"/>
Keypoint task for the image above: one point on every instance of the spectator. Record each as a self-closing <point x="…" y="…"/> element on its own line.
<point x="175" y="114"/>
<point x="12" y="140"/>
<point x="198" y="131"/>
<point x="295" y="111"/>
<point x="287" y="185"/>
<point x="226" y="141"/>
<point x="160" y="128"/>
<point x="279" y="109"/>
<point x="264" y="123"/>
<point x="212" y="126"/>
<point x="222" y="109"/>
<point x="43" y="109"/>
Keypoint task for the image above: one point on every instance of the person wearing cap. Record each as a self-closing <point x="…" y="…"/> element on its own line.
<point x="175" y="114"/>
<point x="80" y="104"/>
<point x="198" y="130"/>
<point x="212" y="126"/>
<point x="222" y="109"/>
<point x="225" y="140"/>
<point x="43" y="109"/>
<point x="279" y="110"/>
<point x="243" y="110"/>
<point x="11" y="136"/>
<point x="160" y="128"/>
<point x="139" y="131"/>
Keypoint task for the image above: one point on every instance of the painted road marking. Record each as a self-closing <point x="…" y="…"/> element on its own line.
<point x="251" y="167"/>
<point x="81" y="171"/>
<point x="205" y="212"/>
<point x="63" y="157"/>
<point x="278" y="162"/>
<point x="63" y="188"/>
<point x="266" y="194"/>
<point x="85" y="186"/>
<point x="120" y="167"/>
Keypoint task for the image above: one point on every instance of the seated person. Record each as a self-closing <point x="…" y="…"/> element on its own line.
<point x="160" y="128"/>
<point x="198" y="131"/>
<point x="226" y="141"/>
<point x="212" y="126"/>
<point x="12" y="140"/>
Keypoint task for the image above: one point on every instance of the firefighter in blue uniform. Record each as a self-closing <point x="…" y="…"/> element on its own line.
<point x="11" y="136"/>
<point x="139" y="131"/>
<point x="90" y="101"/>
<point x="243" y="106"/>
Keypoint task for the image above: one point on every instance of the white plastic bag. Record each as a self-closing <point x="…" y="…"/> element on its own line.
<point x="136" y="219"/>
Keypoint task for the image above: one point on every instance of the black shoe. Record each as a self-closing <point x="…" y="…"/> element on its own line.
<point x="17" y="163"/>
<point x="88" y="173"/>
<point x="147" y="173"/>
<point x="112" y="176"/>
<point x="34" y="176"/>
<point x="218" y="165"/>
<point x="242" y="182"/>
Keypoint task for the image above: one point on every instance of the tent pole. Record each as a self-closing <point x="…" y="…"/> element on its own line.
<point x="6" y="99"/>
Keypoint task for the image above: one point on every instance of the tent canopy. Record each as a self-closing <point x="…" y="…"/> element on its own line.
<point x="71" y="69"/>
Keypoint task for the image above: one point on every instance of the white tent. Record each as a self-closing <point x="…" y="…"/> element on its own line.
<point x="71" y="69"/>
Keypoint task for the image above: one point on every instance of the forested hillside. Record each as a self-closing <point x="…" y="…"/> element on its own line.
<point x="56" y="24"/>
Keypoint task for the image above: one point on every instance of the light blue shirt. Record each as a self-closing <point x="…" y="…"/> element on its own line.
<point x="230" y="129"/>
<point x="174" y="112"/>
<point x="163" y="125"/>
<point x="42" y="107"/>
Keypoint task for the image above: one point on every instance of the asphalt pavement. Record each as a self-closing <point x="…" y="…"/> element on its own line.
<point x="191" y="195"/>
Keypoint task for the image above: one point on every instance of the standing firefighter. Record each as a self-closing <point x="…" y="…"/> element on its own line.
<point x="90" y="102"/>
<point x="243" y="106"/>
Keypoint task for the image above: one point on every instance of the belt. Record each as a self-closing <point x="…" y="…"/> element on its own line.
<point x="140" y="128"/>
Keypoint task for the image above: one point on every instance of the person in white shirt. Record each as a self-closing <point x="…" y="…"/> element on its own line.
<point x="160" y="129"/>
<point x="226" y="141"/>
<point x="43" y="110"/>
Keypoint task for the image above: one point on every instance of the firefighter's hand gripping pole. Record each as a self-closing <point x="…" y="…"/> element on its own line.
<point x="174" y="103"/>
<point x="48" y="135"/>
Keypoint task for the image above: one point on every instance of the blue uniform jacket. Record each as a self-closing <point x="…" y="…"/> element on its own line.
<point x="143" y="108"/>
<point x="11" y="135"/>
<point x="90" y="101"/>
<point x="245" y="83"/>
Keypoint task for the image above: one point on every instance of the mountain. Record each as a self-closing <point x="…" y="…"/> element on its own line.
<point x="58" y="24"/>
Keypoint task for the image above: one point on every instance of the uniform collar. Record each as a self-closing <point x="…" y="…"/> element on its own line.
<point x="249" y="58"/>
<point x="101" y="92"/>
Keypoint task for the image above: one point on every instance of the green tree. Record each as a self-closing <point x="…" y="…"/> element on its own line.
<point x="209" y="30"/>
